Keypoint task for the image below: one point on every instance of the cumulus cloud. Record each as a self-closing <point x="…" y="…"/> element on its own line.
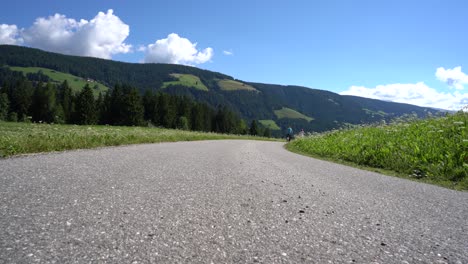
<point x="453" y="77"/>
<point x="9" y="34"/>
<point x="416" y="94"/>
<point x="101" y="37"/>
<point x="177" y="50"/>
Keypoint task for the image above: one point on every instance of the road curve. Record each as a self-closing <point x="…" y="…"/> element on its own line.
<point x="220" y="202"/>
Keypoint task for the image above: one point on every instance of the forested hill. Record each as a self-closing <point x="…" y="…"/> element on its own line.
<point x="143" y="76"/>
<point x="275" y="106"/>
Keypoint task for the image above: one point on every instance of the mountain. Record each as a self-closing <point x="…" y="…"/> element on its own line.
<point x="275" y="105"/>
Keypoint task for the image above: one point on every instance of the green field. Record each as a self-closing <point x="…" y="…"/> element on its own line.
<point x="433" y="150"/>
<point x="188" y="80"/>
<point x="290" y="113"/>
<point x="231" y="85"/>
<point x="75" y="82"/>
<point x="271" y="124"/>
<point x="21" y="138"/>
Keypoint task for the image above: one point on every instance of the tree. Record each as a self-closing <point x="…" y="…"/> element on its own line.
<point x="116" y="104"/>
<point x="43" y="106"/>
<point x="166" y="110"/>
<point x="132" y="108"/>
<point x="4" y="106"/>
<point x="66" y="100"/>
<point x="149" y="105"/>
<point x="182" y="123"/>
<point x="243" y="129"/>
<point x="253" y="128"/>
<point x="197" y="118"/>
<point x="21" y="98"/>
<point x="267" y="132"/>
<point x="85" y="112"/>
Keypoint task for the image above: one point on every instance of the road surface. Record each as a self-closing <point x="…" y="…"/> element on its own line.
<point x="220" y="202"/>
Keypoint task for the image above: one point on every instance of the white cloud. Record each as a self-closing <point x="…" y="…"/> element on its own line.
<point x="416" y="94"/>
<point x="453" y="77"/>
<point x="177" y="50"/>
<point x="101" y="37"/>
<point x="228" y="53"/>
<point x="9" y="34"/>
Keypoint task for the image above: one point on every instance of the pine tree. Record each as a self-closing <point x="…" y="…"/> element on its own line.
<point x="197" y="118"/>
<point x="4" y="106"/>
<point x="116" y="105"/>
<point x="105" y="111"/>
<point x="149" y="105"/>
<point x="182" y="123"/>
<point x="21" y="98"/>
<point x="66" y="100"/>
<point x="85" y="113"/>
<point x="132" y="111"/>
<point x="44" y="103"/>
<point x="253" y="128"/>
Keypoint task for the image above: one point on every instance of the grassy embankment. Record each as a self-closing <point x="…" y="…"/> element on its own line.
<point x="433" y="150"/>
<point x="21" y="138"/>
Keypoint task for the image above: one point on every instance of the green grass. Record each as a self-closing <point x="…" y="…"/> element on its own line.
<point x="188" y="80"/>
<point x="21" y="138"/>
<point x="433" y="150"/>
<point x="75" y="82"/>
<point x="231" y="85"/>
<point x="290" y="113"/>
<point x="271" y="124"/>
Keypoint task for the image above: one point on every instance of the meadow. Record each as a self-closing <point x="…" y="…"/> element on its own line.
<point x="271" y="124"/>
<point x="290" y="113"/>
<point x="188" y="80"/>
<point x="75" y="82"/>
<point x="231" y="85"/>
<point x="433" y="150"/>
<point x="22" y="138"/>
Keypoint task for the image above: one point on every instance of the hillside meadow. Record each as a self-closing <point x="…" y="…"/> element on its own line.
<point x="433" y="150"/>
<point x="22" y="138"/>
<point x="75" y="82"/>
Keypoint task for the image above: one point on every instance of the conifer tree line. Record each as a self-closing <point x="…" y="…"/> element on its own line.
<point x="34" y="98"/>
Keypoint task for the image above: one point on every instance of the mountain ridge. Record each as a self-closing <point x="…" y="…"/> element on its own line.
<point x="328" y="110"/>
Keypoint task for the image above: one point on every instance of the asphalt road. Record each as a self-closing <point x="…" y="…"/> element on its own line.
<point x="220" y="202"/>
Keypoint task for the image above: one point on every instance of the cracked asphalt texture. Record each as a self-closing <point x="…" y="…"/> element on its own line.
<point x="220" y="202"/>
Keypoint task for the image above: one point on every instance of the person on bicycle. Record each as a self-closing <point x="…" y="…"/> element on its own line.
<point x="289" y="133"/>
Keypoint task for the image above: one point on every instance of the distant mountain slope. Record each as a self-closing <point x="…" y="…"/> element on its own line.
<point x="75" y="82"/>
<point x="251" y="100"/>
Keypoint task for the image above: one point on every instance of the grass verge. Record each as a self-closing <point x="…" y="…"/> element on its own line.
<point x="433" y="150"/>
<point x="22" y="138"/>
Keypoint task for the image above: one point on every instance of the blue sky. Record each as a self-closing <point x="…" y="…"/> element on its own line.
<point x="406" y="51"/>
